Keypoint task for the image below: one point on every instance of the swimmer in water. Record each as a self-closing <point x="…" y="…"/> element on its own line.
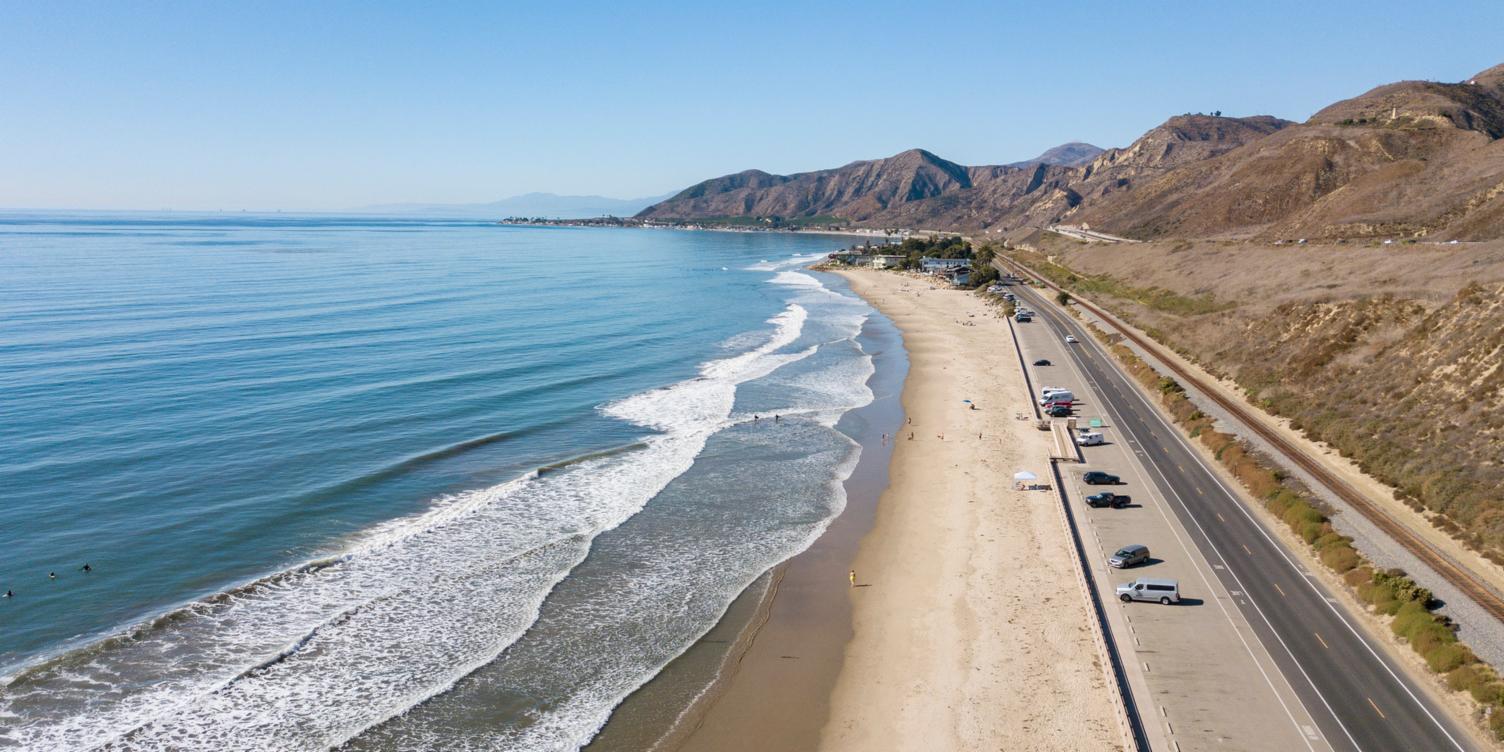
<point x="86" y="568"/>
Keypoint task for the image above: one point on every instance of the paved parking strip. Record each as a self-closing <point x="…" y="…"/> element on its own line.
<point x="1210" y="682"/>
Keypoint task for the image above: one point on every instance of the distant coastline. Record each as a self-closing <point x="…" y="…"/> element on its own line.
<point x="712" y="226"/>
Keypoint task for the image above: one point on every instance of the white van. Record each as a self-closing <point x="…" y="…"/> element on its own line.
<point x="1146" y="589"/>
<point x="1045" y="392"/>
<point x="1090" y="438"/>
<point x="1060" y="395"/>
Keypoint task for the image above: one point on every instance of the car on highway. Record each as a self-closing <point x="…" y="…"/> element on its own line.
<point x="1146" y="589"/>
<point x="1070" y="339"/>
<point x="1058" y="411"/>
<point x="1107" y="499"/>
<point x="1099" y="478"/>
<point x="1130" y="555"/>
<point x="1043" y="362"/>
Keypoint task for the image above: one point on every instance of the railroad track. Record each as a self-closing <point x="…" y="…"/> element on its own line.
<point x="1459" y="577"/>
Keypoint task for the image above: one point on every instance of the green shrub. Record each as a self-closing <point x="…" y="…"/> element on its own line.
<point x="1311" y="531"/>
<point x="1358" y="577"/>
<point x="1489" y="693"/>
<point x="1340" y="558"/>
<point x="1444" y="658"/>
<point x="1299" y="514"/>
<point x="1496" y="722"/>
<point x="1467" y="676"/>
<point x="1409" y="618"/>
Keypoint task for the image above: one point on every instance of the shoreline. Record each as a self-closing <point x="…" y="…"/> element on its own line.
<point x="963" y="583"/>
<point x="757" y="680"/>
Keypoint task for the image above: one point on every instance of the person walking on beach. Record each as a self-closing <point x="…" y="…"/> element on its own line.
<point x="852" y="577"/>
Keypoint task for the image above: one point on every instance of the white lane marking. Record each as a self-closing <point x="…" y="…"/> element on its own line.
<point x="1331" y="603"/>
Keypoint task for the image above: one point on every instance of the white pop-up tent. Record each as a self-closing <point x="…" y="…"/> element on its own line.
<point x="1023" y="480"/>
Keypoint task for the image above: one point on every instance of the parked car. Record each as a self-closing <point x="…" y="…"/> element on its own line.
<point x="1107" y="499"/>
<point x="1146" y="589"/>
<point x="1130" y="555"/>
<point x="1099" y="478"/>
<point x="1057" y="395"/>
<point x="1090" y="438"/>
<point x="1070" y="339"/>
<point x="1058" y="411"/>
<point x="1042" y="362"/>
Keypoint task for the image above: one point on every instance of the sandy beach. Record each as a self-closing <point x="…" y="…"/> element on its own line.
<point x="968" y="630"/>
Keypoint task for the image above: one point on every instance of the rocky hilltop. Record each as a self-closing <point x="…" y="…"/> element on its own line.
<point x="1408" y="159"/>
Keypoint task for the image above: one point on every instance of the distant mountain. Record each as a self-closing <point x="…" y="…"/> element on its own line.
<point x="550" y="205"/>
<point x="1073" y="154"/>
<point x="1409" y="159"/>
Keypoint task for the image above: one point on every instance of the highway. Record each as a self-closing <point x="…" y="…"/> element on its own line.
<point x="1356" y="695"/>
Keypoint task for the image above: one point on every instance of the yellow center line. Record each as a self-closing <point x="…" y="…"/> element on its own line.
<point x="1376" y="708"/>
<point x="1280" y="589"/>
<point x="1245" y="549"/>
<point x="1328" y="647"/>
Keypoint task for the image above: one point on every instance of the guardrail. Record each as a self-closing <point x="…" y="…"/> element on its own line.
<point x="1475" y="589"/>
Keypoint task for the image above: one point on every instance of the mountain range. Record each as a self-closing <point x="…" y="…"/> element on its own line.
<point x="549" y="205"/>
<point x="1408" y="159"/>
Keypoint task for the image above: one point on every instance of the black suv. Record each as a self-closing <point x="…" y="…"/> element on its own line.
<point x="1059" y="411"/>
<point x="1107" y="499"/>
<point x="1099" y="478"/>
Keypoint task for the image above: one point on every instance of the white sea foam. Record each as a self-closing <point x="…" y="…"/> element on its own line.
<point x="311" y="657"/>
<point x="308" y="658"/>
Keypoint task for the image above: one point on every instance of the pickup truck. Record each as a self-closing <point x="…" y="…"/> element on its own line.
<point x="1107" y="499"/>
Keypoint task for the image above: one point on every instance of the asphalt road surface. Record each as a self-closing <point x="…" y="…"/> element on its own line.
<point x="1359" y="698"/>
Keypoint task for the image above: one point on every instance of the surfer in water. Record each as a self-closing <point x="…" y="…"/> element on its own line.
<point x="86" y="568"/>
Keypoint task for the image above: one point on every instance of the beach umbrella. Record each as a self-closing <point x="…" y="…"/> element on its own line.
<point x="1024" y="475"/>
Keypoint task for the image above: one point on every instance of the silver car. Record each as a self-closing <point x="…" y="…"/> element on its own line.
<point x="1130" y="555"/>
<point x="1146" y="589"/>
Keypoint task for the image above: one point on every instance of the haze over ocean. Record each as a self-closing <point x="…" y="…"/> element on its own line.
<point x="301" y="457"/>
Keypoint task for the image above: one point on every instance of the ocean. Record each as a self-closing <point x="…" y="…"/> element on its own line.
<point x="394" y="484"/>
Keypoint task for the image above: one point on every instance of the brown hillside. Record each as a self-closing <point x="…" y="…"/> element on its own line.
<point x="1405" y="160"/>
<point x="1412" y="159"/>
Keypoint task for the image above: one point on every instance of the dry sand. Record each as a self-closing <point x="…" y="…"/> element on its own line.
<point x="970" y="631"/>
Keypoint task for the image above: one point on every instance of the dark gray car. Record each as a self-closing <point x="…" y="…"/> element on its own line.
<point x="1130" y="555"/>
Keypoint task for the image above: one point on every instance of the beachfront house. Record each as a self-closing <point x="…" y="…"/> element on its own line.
<point x="886" y="261"/>
<point x="852" y="258"/>
<point x="960" y="276"/>
<point x="935" y="265"/>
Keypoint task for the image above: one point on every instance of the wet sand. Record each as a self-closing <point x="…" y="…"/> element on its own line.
<point x="761" y="678"/>
<point x="966" y="630"/>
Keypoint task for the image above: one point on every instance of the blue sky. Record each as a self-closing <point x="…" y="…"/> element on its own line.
<point x="324" y="106"/>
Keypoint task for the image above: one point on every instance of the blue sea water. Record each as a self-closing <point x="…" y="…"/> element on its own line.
<point x="399" y="484"/>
